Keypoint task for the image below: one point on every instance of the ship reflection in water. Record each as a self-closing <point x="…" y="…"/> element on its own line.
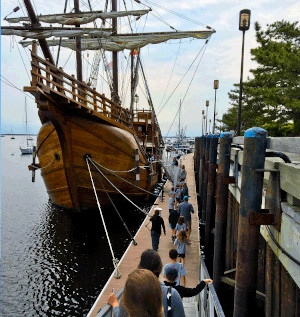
<point x="53" y="262"/>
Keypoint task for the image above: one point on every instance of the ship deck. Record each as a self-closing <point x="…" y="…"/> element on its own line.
<point x="131" y="257"/>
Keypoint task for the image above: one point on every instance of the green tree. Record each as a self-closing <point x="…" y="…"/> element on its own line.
<point x="271" y="98"/>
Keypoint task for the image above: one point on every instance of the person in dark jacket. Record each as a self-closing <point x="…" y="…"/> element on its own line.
<point x="157" y="223"/>
<point x="171" y="275"/>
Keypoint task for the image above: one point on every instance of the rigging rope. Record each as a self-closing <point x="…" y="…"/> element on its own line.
<point x="115" y="260"/>
<point x="13" y="86"/>
<point x="188" y="86"/>
<point x="182" y="78"/>
<point x="125" y="179"/>
<point x="140" y="209"/>
<point x="111" y="201"/>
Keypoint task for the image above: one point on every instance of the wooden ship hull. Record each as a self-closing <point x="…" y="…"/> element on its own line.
<point x="77" y="121"/>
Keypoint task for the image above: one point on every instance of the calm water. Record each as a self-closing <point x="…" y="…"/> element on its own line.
<point x="53" y="262"/>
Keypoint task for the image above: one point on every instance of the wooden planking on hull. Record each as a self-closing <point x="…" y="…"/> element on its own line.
<point x="110" y="146"/>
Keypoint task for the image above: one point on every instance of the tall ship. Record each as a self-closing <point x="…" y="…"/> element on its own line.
<point x="85" y="133"/>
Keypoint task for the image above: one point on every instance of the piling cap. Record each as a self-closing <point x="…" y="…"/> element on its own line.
<point x="226" y="135"/>
<point x="255" y="132"/>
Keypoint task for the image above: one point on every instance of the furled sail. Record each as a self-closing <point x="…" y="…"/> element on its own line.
<point x="42" y="33"/>
<point x="81" y="18"/>
<point x="126" y="41"/>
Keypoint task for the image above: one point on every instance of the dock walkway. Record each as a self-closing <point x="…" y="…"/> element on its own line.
<point x="131" y="258"/>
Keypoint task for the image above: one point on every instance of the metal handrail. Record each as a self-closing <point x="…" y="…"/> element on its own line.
<point x="209" y="302"/>
<point x="107" y="310"/>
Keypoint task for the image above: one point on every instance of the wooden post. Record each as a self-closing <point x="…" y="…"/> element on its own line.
<point x="221" y="208"/>
<point x="33" y="163"/>
<point x="205" y="177"/>
<point x="95" y="99"/>
<point x="34" y="63"/>
<point x="248" y="234"/>
<point x="73" y="87"/>
<point x="60" y="82"/>
<point x="47" y="73"/>
<point x="211" y="189"/>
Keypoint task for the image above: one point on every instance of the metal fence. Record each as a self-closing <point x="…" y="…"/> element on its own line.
<point x="208" y="301"/>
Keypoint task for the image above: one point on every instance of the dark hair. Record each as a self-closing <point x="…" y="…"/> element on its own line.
<point x="151" y="261"/>
<point x="142" y="296"/>
<point x="181" y="220"/>
<point x="173" y="254"/>
<point x="172" y="188"/>
<point x="171" y="274"/>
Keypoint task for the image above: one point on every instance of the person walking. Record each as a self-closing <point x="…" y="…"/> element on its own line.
<point x="171" y="200"/>
<point x="171" y="275"/>
<point x="180" y="225"/>
<point x="181" y="242"/>
<point x="182" y="175"/>
<point x="184" y="191"/>
<point x="181" y="272"/>
<point x="157" y="223"/>
<point x="185" y="209"/>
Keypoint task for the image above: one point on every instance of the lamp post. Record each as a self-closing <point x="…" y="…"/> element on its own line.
<point x="244" y="25"/>
<point x="216" y="86"/>
<point x="207" y="105"/>
<point x="136" y="100"/>
<point x="203" y="117"/>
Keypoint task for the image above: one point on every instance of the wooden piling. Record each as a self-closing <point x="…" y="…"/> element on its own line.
<point x="221" y="208"/>
<point x="212" y="165"/>
<point x="205" y="176"/>
<point x="248" y="234"/>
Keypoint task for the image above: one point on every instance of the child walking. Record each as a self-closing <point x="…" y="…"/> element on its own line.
<point x="180" y="225"/>
<point x="181" y="242"/>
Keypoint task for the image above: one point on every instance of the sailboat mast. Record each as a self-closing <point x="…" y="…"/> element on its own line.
<point x="78" y="46"/>
<point x="35" y="22"/>
<point x="179" y="122"/>
<point x="115" y="54"/>
<point x="26" y="131"/>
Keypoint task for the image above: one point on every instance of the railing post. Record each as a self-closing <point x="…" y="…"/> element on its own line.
<point x="60" y="82"/>
<point x="34" y="62"/>
<point x="248" y="234"/>
<point x="48" y="73"/>
<point x="95" y="99"/>
<point x="73" y="87"/>
<point x="84" y="94"/>
<point x="221" y="208"/>
<point x="212" y="165"/>
<point x="137" y="169"/>
<point x="205" y="176"/>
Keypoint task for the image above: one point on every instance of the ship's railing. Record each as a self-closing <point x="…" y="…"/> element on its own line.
<point x="50" y="78"/>
<point x="208" y="301"/>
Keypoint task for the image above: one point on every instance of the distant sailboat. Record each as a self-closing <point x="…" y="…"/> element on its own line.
<point x="27" y="148"/>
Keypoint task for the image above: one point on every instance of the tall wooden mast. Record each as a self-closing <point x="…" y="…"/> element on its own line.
<point x="35" y="22"/>
<point x="115" y="55"/>
<point x="78" y="46"/>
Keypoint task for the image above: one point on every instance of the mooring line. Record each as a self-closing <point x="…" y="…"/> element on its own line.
<point x="140" y="209"/>
<point x="146" y="191"/>
<point x="115" y="260"/>
<point x="111" y="201"/>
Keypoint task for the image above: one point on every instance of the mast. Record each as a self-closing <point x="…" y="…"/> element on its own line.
<point x="179" y="134"/>
<point x="78" y="45"/>
<point x="35" y="22"/>
<point x="26" y="121"/>
<point x="132" y="84"/>
<point x="115" y="55"/>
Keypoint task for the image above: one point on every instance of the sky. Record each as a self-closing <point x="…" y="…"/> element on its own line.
<point x="165" y="64"/>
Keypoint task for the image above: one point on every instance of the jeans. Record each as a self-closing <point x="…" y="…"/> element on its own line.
<point x="155" y="240"/>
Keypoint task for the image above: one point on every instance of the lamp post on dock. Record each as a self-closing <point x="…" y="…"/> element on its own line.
<point x="244" y="25"/>
<point x="207" y="105"/>
<point x="216" y="86"/>
<point x="203" y="118"/>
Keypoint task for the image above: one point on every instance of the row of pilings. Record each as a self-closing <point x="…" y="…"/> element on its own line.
<point x="212" y="166"/>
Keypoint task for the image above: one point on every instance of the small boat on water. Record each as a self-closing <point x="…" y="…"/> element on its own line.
<point x="81" y="125"/>
<point x="27" y="148"/>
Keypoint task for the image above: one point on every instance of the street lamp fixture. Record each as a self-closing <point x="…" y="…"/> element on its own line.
<point x="216" y="86"/>
<point x="244" y="25"/>
<point x="207" y="105"/>
<point x="203" y="117"/>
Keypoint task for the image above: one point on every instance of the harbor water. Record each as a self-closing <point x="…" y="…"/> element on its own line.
<point x="53" y="262"/>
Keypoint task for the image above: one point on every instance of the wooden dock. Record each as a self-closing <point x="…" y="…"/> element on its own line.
<point x="131" y="257"/>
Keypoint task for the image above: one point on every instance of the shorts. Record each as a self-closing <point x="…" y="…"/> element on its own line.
<point x="172" y="226"/>
<point x="181" y="255"/>
<point x="188" y="224"/>
<point x="178" y="200"/>
<point x="170" y="210"/>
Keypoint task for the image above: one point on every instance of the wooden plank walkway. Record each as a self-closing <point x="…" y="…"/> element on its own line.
<point x="131" y="258"/>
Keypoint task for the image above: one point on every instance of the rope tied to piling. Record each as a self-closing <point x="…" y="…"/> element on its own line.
<point x="123" y="179"/>
<point x="117" y="189"/>
<point x="114" y="259"/>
